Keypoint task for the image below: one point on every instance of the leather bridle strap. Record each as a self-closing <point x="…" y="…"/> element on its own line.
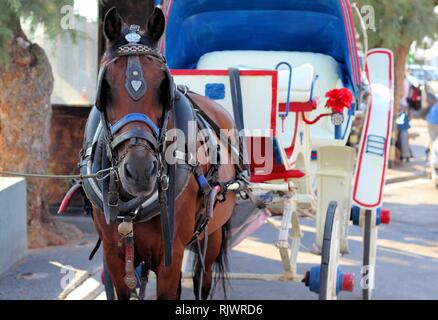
<point x="135" y="117"/>
<point x="135" y="134"/>
<point x="167" y="194"/>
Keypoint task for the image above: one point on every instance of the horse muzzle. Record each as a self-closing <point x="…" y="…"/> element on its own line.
<point x="138" y="172"/>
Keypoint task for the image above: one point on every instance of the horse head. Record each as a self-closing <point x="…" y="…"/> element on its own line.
<point x="135" y="93"/>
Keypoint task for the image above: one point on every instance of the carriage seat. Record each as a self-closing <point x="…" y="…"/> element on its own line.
<point x="327" y="69"/>
<point x="306" y="65"/>
<point x="301" y="84"/>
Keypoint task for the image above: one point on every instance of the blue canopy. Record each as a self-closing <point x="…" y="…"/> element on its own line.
<point x="196" y="27"/>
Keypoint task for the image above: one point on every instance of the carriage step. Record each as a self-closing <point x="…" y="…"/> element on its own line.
<point x="345" y="280"/>
<point x="383" y="216"/>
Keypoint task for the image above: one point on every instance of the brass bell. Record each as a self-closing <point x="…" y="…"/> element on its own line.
<point x="125" y="228"/>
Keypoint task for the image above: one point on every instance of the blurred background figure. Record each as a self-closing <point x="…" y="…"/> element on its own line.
<point x="432" y="117"/>
<point x="413" y="96"/>
<point x="403" y="127"/>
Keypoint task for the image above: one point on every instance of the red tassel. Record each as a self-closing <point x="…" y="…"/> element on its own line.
<point x="339" y="99"/>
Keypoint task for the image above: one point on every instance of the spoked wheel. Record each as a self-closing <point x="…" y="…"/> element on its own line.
<point x="108" y="283"/>
<point x="369" y="254"/>
<point x="328" y="289"/>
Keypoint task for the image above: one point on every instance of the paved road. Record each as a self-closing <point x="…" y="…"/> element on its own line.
<point x="407" y="262"/>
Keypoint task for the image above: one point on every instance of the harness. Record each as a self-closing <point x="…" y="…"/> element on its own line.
<point x="103" y="138"/>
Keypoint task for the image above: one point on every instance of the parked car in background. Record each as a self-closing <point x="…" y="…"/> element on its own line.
<point x="425" y="75"/>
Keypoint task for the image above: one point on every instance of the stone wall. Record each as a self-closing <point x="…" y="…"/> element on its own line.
<point x="13" y="222"/>
<point x="66" y="136"/>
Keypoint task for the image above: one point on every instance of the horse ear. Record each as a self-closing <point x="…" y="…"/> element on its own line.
<point x="113" y="24"/>
<point x="156" y="25"/>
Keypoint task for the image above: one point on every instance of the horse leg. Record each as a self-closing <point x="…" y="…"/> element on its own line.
<point x="116" y="267"/>
<point x="169" y="279"/>
<point x="214" y="249"/>
<point x="179" y="291"/>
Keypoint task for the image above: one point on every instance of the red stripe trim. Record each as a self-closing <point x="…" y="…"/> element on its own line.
<point x="353" y="33"/>
<point x="352" y="44"/>
<point x="163" y="41"/>
<point x="285" y="175"/>
<point x="344" y="16"/>
<point x="194" y="72"/>
<point x="274" y="103"/>
<point x="298" y="106"/>
<point x="362" y="150"/>
<point x="251" y="73"/>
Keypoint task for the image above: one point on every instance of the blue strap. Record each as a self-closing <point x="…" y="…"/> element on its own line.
<point x="135" y="117"/>
<point x="203" y="182"/>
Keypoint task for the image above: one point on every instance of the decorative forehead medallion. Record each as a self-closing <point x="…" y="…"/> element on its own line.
<point x="133" y="36"/>
<point x="135" y="82"/>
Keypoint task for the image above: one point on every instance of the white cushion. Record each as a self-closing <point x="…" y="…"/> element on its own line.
<point x="302" y="78"/>
<point x="302" y="63"/>
<point x="301" y="84"/>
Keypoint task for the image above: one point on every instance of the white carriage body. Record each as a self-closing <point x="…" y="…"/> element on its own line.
<point x="376" y="137"/>
<point x="323" y="55"/>
<point x="261" y="111"/>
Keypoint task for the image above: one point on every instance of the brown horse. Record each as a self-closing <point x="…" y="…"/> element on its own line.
<point x="137" y="170"/>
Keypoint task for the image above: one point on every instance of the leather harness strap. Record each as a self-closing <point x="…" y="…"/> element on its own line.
<point x="135" y="133"/>
<point x="236" y="96"/>
<point x="241" y="167"/>
<point x="135" y="117"/>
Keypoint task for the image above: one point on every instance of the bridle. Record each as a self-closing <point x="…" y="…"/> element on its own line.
<point x="115" y="210"/>
<point x="136" y="87"/>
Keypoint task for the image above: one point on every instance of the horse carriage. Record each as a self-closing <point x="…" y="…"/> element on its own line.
<point x="272" y="65"/>
<point x="288" y="73"/>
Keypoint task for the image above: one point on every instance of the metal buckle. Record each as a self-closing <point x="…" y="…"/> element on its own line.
<point x="164" y="182"/>
<point x="113" y="199"/>
<point x="183" y="89"/>
<point x="109" y="152"/>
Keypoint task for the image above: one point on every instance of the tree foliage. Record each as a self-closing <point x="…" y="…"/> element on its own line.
<point x="34" y="13"/>
<point x="401" y="22"/>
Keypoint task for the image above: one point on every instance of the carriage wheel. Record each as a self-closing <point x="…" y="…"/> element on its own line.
<point x="330" y="254"/>
<point x="108" y="283"/>
<point x="369" y="254"/>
